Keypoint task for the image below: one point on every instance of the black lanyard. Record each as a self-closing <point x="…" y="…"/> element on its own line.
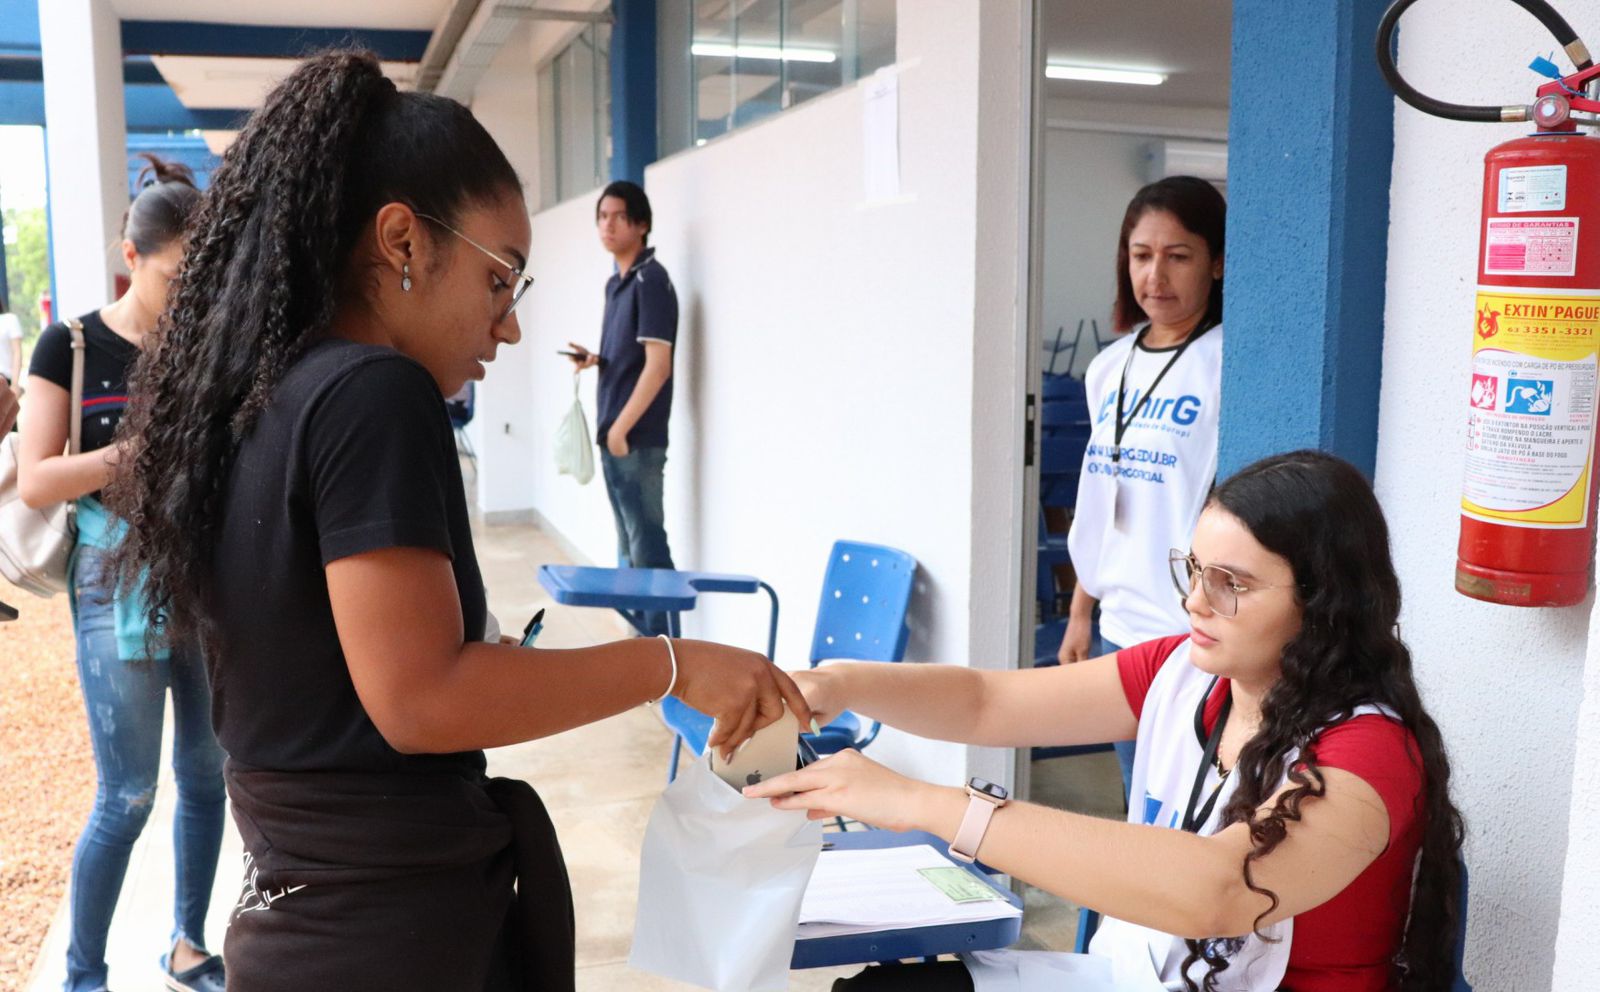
<point x="1122" y="386"/>
<point x="1192" y="821"/>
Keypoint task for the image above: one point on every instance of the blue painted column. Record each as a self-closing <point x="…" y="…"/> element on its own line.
<point x="1310" y="146"/>
<point x="633" y="88"/>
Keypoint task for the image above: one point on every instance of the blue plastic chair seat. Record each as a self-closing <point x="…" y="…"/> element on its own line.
<point x="840" y="735"/>
<point x="693" y="726"/>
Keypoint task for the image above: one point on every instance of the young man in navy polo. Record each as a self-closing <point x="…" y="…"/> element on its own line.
<point x="635" y="359"/>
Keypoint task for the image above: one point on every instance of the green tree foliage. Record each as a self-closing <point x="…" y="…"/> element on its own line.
<point x="27" y="268"/>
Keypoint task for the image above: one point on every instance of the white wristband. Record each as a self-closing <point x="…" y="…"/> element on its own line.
<point x="672" y="656"/>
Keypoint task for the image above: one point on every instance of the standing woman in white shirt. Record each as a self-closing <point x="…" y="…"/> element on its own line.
<point x="1154" y="398"/>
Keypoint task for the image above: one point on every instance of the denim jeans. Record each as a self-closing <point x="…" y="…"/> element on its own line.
<point x="1104" y="647"/>
<point x="635" y="483"/>
<point x="124" y="701"/>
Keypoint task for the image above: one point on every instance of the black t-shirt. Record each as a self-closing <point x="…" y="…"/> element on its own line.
<point x="107" y="360"/>
<point x="353" y="453"/>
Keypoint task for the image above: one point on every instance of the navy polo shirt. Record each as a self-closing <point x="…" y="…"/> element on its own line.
<point x="641" y="305"/>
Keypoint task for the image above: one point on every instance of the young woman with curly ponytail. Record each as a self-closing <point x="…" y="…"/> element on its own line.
<point x="124" y="678"/>
<point x="296" y="503"/>
<point x="1288" y="780"/>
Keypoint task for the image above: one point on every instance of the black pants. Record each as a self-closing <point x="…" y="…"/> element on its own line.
<point x="939" y="976"/>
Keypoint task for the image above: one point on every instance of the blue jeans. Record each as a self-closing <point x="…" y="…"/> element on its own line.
<point x="1104" y="647"/>
<point x="124" y="701"/>
<point x="635" y="483"/>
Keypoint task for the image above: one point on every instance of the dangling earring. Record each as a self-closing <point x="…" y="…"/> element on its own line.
<point x="405" y="277"/>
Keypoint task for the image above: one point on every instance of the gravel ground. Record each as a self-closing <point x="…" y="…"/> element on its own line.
<point x="46" y="775"/>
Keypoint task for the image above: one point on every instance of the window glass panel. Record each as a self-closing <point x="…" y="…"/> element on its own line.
<point x="711" y="52"/>
<point x="813" y="44"/>
<point x="759" y="63"/>
<point x="576" y="114"/>
<point x="875" y="35"/>
<point x="749" y="59"/>
<point x="549" y="139"/>
<point x="602" y="104"/>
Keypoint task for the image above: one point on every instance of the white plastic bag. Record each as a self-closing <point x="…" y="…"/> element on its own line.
<point x="574" y="453"/>
<point x="720" y="883"/>
<point x="1050" y="971"/>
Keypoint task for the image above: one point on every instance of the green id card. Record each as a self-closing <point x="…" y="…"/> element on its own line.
<point x="958" y="884"/>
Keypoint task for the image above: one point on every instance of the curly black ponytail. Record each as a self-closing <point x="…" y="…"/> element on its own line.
<point x="1319" y="514"/>
<point x="268" y="264"/>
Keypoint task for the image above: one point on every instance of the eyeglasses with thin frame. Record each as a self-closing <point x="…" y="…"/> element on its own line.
<point x="1222" y="587"/>
<point x="519" y="281"/>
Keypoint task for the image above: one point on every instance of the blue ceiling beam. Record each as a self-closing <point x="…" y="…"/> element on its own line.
<point x="254" y="41"/>
<point x="30" y="69"/>
<point x="150" y="108"/>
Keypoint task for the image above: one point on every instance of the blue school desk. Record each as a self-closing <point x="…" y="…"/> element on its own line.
<point x="916" y="942"/>
<point x="635" y="591"/>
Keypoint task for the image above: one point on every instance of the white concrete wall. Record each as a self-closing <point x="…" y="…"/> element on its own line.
<point x="87" y="147"/>
<point x="506" y="102"/>
<point x="566" y="305"/>
<point x="1504" y="683"/>
<point x="829" y="355"/>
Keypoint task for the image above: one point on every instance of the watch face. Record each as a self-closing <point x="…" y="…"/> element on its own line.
<point x="988" y="789"/>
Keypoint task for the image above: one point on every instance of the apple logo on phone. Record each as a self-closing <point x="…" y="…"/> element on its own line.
<point x="754" y="778"/>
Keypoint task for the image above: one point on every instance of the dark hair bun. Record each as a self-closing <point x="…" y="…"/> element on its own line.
<point x="160" y="170"/>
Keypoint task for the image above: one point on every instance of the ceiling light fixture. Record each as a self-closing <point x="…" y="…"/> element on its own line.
<point x="1098" y="74"/>
<point x="774" y="53"/>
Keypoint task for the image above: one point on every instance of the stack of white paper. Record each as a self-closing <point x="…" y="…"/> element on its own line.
<point x="892" y="889"/>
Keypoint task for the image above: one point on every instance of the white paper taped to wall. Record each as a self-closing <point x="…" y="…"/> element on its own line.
<point x="880" y="134"/>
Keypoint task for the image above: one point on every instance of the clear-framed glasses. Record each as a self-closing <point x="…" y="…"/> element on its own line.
<point x="519" y="282"/>
<point x="1222" y="587"/>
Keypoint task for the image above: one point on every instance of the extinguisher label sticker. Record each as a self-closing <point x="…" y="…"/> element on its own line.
<point x="1547" y="246"/>
<point x="1531" y="410"/>
<point x="1533" y="188"/>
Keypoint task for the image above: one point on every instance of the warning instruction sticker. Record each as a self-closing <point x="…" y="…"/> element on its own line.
<point x="1532" y="188"/>
<point x="1547" y="246"/>
<point x="1531" y="409"/>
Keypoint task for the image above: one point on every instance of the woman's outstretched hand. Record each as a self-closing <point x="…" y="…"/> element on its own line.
<point x="852" y="785"/>
<point x="742" y="690"/>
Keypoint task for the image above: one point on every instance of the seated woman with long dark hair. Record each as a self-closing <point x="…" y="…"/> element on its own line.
<point x="1291" y="824"/>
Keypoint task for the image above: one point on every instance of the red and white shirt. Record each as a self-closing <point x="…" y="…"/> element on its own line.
<point x="1347" y="944"/>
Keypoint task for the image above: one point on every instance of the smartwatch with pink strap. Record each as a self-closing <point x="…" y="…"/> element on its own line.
<point x="983" y="798"/>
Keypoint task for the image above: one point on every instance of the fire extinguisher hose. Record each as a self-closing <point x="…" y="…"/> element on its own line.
<point x="1547" y="16"/>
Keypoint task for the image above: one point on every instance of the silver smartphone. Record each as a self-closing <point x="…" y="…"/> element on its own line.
<point x="771" y="752"/>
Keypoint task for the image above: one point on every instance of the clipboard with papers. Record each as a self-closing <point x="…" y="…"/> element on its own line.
<point x="878" y="896"/>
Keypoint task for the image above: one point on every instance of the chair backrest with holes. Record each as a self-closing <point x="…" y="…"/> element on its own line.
<point x="866" y="594"/>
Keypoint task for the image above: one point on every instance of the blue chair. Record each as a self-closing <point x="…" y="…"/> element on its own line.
<point x="1089" y="921"/>
<point x="866" y="593"/>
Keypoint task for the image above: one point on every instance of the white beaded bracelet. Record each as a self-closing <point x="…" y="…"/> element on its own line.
<point x="672" y="656"/>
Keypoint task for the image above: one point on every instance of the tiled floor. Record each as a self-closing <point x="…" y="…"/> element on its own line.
<point x="599" y="783"/>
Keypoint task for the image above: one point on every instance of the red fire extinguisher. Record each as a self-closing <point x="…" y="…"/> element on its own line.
<point x="1528" y="497"/>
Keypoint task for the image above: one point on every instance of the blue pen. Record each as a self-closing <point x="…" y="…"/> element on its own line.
<point x="530" y="633"/>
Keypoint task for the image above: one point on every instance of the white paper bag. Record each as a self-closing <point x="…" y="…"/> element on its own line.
<point x="574" y="453"/>
<point x="720" y="883"/>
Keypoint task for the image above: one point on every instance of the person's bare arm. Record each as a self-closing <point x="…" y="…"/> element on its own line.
<point x="400" y="627"/>
<point x="1173" y="881"/>
<point x="657" y="370"/>
<point x="1070" y="704"/>
<point x="1075" y="643"/>
<point x="45" y="473"/>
